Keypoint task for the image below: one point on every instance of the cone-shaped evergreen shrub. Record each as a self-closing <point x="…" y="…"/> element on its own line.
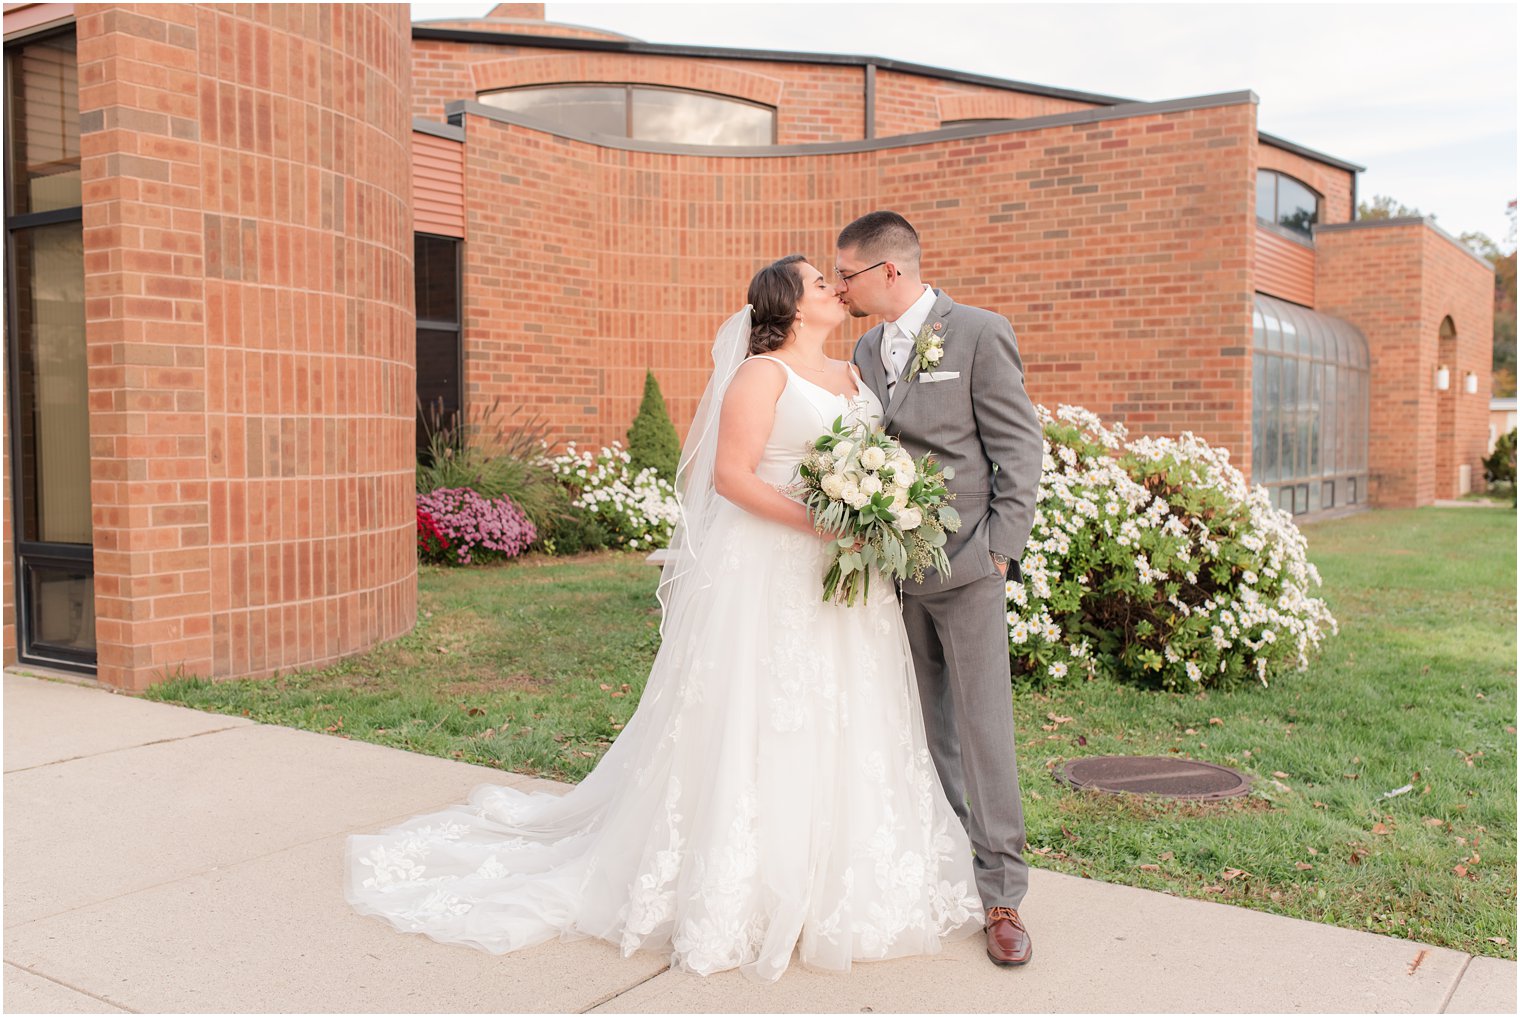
<point x="652" y="440"/>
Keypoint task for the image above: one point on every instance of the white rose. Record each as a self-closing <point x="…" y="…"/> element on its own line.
<point x="849" y="491"/>
<point x="899" y="499"/>
<point x="856" y="499"/>
<point x="870" y="485"/>
<point x="873" y="458"/>
<point x="933" y="355"/>
<point x="909" y="519"/>
<point x="842" y="450"/>
<point x="833" y="486"/>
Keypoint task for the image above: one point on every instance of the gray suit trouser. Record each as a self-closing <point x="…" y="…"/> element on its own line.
<point x="960" y="654"/>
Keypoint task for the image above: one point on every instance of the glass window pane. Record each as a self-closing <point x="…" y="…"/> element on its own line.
<point x="435" y="265"/>
<point x="689" y="118"/>
<point x="1331" y="422"/>
<point x="1305" y="421"/>
<point x="1273" y="465"/>
<point x="601" y="109"/>
<point x="42" y="125"/>
<point x="438" y="381"/>
<point x="52" y="418"/>
<point x="1258" y="330"/>
<point x="1297" y="207"/>
<point x="1258" y="416"/>
<point x="1266" y="195"/>
<point x="1290" y="418"/>
<point x="1290" y="342"/>
<point x="1315" y="418"/>
<point x="60" y="607"/>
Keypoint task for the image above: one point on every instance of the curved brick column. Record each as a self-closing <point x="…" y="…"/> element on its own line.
<point x="251" y="333"/>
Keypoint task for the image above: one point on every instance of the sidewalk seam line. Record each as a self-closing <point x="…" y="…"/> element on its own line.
<point x="71" y="988"/>
<point x="622" y="992"/>
<point x="1446" y="1001"/>
<point x="126" y="748"/>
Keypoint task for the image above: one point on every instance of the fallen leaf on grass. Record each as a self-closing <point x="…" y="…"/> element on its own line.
<point x="1191" y="730"/>
<point x="1319" y="805"/>
<point x="1302" y="866"/>
<point x="1057" y="720"/>
<point x="1215" y="720"/>
<point x="1432" y="821"/>
<point x="1229" y="874"/>
<point x="1356" y="856"/>
<point x="1040" y="850"/>
<point x="1150" y="868"/>
<point x="1313" y="851"/>
<point x="1352" y="776"/>
<point x="1166" y="856"/>
<point x="604" y="686"/>
<point x="474" y="711"/>
<point x="1499" y="940"/>
<point x="336" y="726"/>
<point x="1379" y="830"/>
<point x="1460" y="871"/>
<point x="1509" y="729"/>
<point x="1279" y="775"/>
<point x="1213" y="889"/>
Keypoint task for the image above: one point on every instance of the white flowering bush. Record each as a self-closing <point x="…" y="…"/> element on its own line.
<point x="1152" y="560"/>
<point x="636" y="511"/>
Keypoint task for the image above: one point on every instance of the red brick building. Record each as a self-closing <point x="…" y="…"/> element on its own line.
<point x="244" y="323"/>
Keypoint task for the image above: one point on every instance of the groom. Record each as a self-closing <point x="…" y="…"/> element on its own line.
<point x="952" y="383"/>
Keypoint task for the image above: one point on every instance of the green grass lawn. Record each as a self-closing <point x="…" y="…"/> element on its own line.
<point x="534" y="666"/>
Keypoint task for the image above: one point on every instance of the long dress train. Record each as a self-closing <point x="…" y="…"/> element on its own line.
<point x="772" y="793"/>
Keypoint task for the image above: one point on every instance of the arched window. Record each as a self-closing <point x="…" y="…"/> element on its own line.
<point x="645" y="112"/>
<point x="1309" y="407"/>
<point x="1283" y="201"/>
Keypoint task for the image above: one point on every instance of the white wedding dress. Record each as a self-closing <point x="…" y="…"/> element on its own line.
<point x="772" y="793"/>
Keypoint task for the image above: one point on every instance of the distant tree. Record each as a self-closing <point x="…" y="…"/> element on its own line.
<point x="652" y="440"/>
<point x="1384" y="207"/>
<point x="1504" y="324"/>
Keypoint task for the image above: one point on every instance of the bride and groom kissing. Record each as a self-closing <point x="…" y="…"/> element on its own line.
<point x="800" y="776"/>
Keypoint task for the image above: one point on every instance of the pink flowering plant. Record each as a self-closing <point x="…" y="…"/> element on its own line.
<point x="1153" y="560"/>
<point x="465" y="528"/>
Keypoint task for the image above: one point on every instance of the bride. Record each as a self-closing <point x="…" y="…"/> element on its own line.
<point x="773" y="792"/>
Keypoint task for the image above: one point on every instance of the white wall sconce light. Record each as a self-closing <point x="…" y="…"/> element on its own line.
<point x="1443" y="378"/>
<point x="1470" y="383"/>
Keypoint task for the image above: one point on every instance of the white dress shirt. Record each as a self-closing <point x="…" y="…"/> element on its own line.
<point x="897" y="337"/>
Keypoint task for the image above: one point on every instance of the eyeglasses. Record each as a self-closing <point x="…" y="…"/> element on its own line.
<point x="842" y="277"/>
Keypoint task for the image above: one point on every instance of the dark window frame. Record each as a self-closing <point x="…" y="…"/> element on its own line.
<point x="628" y="89"/>
<point x="25" y="553"/>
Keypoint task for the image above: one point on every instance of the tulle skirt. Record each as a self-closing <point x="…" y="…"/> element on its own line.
<point x="773" y="793"/>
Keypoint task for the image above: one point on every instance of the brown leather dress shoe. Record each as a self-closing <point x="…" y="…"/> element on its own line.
<point x="1008" y="942"/>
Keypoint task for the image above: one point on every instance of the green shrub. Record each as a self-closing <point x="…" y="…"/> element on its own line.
<point x="652" y="440"/>
<point x="1153" y="561"/>
<point x="1499" y="467"/>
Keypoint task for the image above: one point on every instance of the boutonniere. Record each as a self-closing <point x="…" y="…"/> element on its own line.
<point x="928" y="348"/>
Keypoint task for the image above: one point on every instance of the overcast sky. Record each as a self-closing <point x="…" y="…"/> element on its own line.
<point x="1423" y="95"/>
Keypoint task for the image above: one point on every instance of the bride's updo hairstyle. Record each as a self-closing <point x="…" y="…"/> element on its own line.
<point x="774" y="294"/>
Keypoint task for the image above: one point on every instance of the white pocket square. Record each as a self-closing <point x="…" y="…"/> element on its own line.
<point x="939" y="376"/>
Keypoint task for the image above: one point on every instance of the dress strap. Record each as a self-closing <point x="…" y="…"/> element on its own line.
<point x="778" y="360"/>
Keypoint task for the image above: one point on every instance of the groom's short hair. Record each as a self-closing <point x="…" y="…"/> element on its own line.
<point x="882" y="236"/>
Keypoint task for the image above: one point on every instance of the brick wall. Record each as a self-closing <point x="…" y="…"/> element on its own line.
<point x="247" y="218"/>
<point x="1120" y="250"/>
<point x="1396" y="280"/>
<point x="815" y="102"/>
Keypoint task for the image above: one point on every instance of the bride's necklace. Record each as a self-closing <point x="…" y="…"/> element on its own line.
<point x="815" y="370"/>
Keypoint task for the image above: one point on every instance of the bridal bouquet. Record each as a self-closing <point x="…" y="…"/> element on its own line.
<point x="890" y="512"/>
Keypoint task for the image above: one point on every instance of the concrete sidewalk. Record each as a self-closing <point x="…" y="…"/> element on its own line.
<point x="164" y="860"/>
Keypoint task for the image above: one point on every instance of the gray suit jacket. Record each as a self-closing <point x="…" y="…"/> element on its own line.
<point x="980" y="423"/>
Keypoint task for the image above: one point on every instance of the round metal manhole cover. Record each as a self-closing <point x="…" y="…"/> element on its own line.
<point x="1154" y="775"/>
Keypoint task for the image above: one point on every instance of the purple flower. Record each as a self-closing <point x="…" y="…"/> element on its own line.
<point x="477" y="528"/>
